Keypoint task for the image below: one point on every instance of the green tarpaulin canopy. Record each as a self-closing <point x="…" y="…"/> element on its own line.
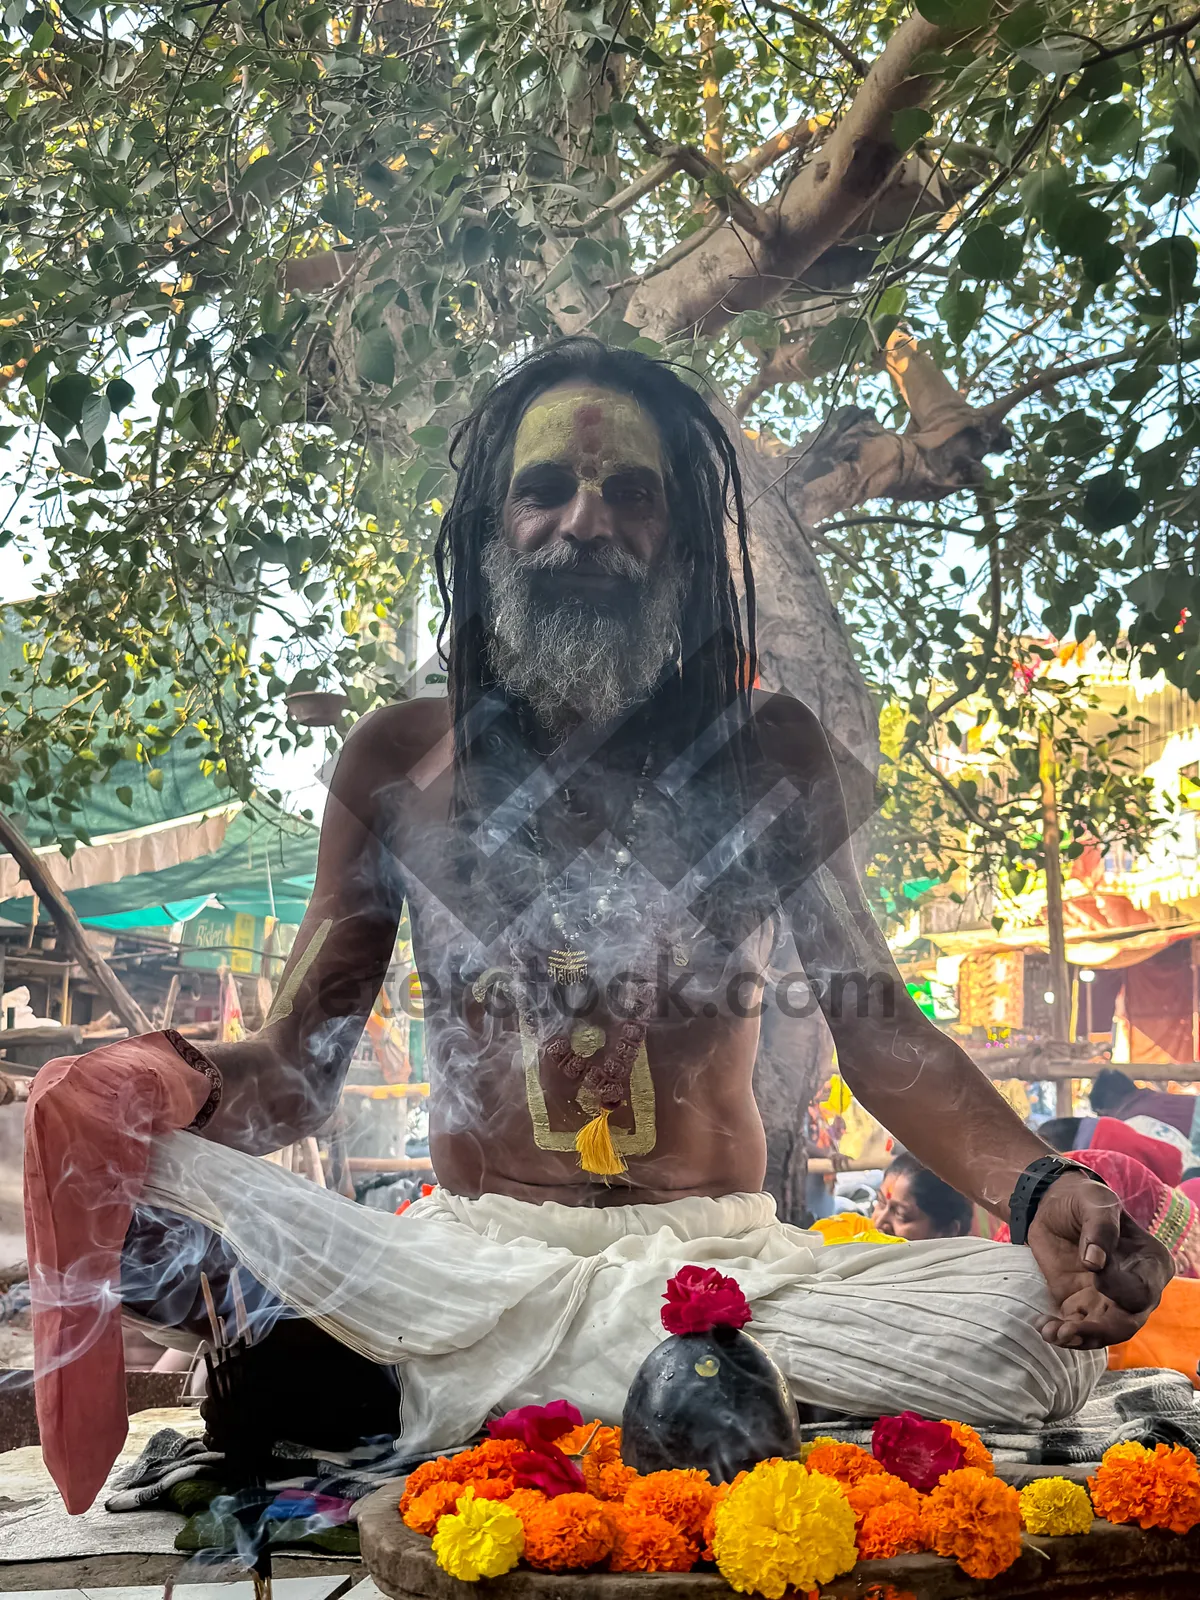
<point x="265" y="866"/>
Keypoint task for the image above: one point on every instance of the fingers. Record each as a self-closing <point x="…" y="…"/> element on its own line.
<point x="1089" y="1321"/>
<point x="1099" y="1213"/>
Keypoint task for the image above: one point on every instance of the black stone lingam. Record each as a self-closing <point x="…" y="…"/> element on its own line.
<point x="709" y="1395"/>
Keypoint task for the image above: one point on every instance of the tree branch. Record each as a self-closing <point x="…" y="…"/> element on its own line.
<point x="71" y="930"/>
<point x="851" y="57"/>
<point x="856" y="164"/>
<point x="1056" y="375"/>
<point x="963" y="804"/>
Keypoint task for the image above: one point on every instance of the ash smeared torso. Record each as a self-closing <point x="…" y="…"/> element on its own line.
<point x="589" y="938"/>
<point x="592" y="926"/>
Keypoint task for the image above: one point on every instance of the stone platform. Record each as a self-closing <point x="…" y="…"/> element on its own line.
<point x="1110" y="1563"/>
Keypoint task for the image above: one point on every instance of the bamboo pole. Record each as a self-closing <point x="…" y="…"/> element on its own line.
<point x="1052" y="856"/>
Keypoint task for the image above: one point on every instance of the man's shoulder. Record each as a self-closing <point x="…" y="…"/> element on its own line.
<point x="390" y="741"/>
<point x="788" y="727"/>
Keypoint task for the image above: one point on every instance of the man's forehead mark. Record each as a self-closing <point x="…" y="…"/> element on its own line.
<point x="597" y="430"/>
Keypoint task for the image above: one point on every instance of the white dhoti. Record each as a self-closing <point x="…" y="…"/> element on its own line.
<point x="492" y="1303"/>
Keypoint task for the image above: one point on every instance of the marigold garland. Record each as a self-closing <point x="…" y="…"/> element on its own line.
<point x="1055" y="1506"/>
<point x="602" y="1443"/>
<point x="881" y="1489"/>
<point x="648" y="1543"/>
<point x="571" y="1530"/>
<point x="482" y="1539"/>
<point x="848" y="1463"/>
<point x="683" y="1497"/>
<point x="891" y="1529"/>
<point x="441" y="1470"/>
<point x="976" y="1519"/>
<point x="975" y="1452"/>
<point x="783" y="1527"/>
<point x="607" y="1480"/>
<point x="1157" y="1488"/>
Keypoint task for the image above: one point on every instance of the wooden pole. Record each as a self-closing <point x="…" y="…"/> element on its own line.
<point x="1052" y="855"/>
<point x="71" y="930"/>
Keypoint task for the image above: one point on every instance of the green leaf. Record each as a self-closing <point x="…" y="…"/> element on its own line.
<point x="1054" y="57"/>
<point x="989" y="253"/>
<point x="1159" y="182"/>
<point x="1102" y="264"/>
<point x="961" y="309"/>
<point x="909" y="125"/>
<point x="837" y="344"/>
<point x="119" y="394"/>
<point x="68" y="393"/>
<point x="1169" y="265"/>
<point x="155" y="778"/>
<point x="96" y="415"/>
<point x="429" y="437"/>
<point x="376" y="358"/>
<point x="43" y="37"/>
<point x="1023" y="26"/>
<point x="125" y="794"/>
<point x="1109" y="502"/>
<point x="955" y="13"/>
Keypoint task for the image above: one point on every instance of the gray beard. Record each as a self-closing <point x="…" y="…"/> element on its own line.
<point x="574" y="661"/>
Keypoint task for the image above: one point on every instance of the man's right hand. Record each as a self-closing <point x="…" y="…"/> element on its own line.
<point x="1105" y="1271"/>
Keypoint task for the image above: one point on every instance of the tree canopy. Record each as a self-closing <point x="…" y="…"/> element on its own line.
<point x="256" y="259"/>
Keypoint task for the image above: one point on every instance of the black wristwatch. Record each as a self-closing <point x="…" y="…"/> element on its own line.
<point x="1031" y="1190"/>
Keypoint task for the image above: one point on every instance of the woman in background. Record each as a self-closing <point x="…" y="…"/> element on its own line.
<point x="915" y="1203"/>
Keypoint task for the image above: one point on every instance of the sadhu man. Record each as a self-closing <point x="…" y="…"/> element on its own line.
<point x="608" y="844"/>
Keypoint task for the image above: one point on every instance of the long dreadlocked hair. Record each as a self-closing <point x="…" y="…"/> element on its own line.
<point x="718" y="659"/>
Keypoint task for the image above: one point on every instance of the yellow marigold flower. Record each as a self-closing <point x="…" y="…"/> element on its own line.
<point x="483" y="1539"/>
<point x="783" y="1527"/>
<point x="847" y="1227"/>
<point x="1055" y="1505"/>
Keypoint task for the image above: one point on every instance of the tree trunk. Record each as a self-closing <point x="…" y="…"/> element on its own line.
<point x="804" y="650"/>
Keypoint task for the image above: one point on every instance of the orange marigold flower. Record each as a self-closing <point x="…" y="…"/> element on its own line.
<point x="976" y="1519"/>
<point x="607" y="1480"/>
<point x="648" y="1543"/>
<point x="572" y="1530"/>
<point x="489" y="1459"/>
<point x="437" y="1501"/>
<point x="443" y="1470"/>
<point x="1155" y="1489"/>
<point x="848" y="1463"/>
<point x="975" y="1452"/>
<point x="525" y="1502"/>
<point x="684" y="1497"/>
<point x="891" y="1529"/>
<point x="605" y="1442"/>
<point x="880" y="1489"/>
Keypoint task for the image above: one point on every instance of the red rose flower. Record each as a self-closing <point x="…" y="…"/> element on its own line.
<point x="549" y="1470"/>
<point x="699" y="1299"/>
<point x="917" y="1450"/>
<point x="537" y="1426"/>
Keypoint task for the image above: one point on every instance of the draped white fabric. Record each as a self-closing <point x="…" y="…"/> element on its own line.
<point x="494" y="1302"/>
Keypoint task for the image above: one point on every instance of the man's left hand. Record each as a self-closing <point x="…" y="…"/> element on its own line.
<point x="1106" y="1273"/>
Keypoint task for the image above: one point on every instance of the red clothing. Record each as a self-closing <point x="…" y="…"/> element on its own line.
<point x="1164" y="1160"/>
<point x="1177" y="1109"/>
<point x="88" y="1128"/>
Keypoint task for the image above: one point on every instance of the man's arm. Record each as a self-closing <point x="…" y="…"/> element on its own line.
<point x="1106" y="1273"/>
<point x="283" y="1082"/>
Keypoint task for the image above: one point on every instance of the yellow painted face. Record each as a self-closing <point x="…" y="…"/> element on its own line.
<point x="592" y="431"/>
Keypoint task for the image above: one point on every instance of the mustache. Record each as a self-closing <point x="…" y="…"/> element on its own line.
<point x="560" y="557"/>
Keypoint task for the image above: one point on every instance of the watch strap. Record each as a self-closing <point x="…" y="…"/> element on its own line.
<point x="1031" y="1188"/>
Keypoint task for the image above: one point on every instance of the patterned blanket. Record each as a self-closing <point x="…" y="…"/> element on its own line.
<point x="1146" y="1404"/>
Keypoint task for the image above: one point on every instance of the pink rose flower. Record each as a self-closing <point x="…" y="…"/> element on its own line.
<point x="915" y="1449"/>
<point x="699" y="1299"/>
<point x="537" y="1426"/>
<point x="549" y="1470"/>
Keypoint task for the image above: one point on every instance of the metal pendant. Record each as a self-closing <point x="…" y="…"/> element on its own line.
<point x="587" y="1039"/>
<point x="568" y="966"/>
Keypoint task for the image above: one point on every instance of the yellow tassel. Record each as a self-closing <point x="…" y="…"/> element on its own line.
<point x="597" y="1153"/>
